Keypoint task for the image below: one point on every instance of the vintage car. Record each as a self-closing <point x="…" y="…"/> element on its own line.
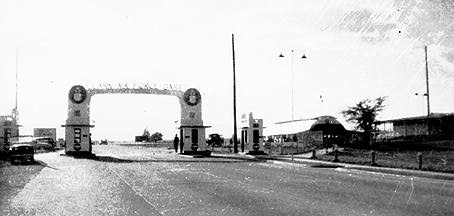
<point x="215" y="140"/>
<point x="38" y="143"/>
<point x="21" y="152"/>
<point x="44" y="143"/>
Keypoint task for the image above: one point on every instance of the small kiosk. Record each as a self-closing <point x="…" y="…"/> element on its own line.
<point x="77" y="127"/>
<point x="192" y="130"/>
<point x="252" y="135"/>
<point x="8" y="129"/>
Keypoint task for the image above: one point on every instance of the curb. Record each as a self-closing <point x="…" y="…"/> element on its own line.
<point x="388" y="170"/>
<point x="236" y="156"/>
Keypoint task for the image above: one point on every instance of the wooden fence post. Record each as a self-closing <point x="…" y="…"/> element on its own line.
<point x="335" y="156"/>
<point x="373" y="158"/>
<point x="313" y="154"/>
<point x="420" y="160"/>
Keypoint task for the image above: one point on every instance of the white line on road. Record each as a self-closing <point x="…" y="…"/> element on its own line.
<point x="395" y="191"/>
<point x="412" y="189"/>
<point x="340" y="169"/>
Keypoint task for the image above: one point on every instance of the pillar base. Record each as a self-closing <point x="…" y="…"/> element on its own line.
<point x="256" y="153"/>
<point x="81" y="154"/>
<point x="202" y="153"/>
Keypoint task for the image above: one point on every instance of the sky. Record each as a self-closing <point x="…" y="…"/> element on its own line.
<point x="355" y="49"/>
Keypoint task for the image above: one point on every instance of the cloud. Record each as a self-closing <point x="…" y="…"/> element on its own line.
<point x="422" y="22"/>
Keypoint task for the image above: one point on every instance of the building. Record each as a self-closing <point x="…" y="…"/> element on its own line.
<point x="321" y="131"/>
<point x="252" y="134"/>
<point x="436" y="127"/>
<point x="8" y="129"/>
<point x="333" y="131"/>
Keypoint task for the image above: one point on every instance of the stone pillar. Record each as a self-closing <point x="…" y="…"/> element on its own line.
<point x="193" y="130"/>
<point x="77" y="127"/>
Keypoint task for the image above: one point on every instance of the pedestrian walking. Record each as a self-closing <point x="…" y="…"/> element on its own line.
<point x="175" y="143"/>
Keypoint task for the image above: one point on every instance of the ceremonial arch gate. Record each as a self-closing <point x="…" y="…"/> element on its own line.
<point x="77" y="127"/>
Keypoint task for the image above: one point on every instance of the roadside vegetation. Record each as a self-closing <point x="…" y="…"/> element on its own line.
<point x="363" y="115"/>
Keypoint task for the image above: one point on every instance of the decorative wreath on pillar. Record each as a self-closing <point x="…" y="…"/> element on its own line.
<point x="77" y="94"/>
<point x="192" y="97"/>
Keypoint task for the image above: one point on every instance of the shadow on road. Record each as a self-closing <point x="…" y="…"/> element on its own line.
<point x="6" y="162"/>
<point x="14" y="177"/>
<point x="206" y="160"/>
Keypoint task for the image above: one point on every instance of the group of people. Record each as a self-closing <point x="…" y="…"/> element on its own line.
<point x="176" y="140"/>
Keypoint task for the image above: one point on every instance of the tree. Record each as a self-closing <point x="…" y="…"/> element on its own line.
<point x="363" y="115"/>
<point x="156" y="137"/>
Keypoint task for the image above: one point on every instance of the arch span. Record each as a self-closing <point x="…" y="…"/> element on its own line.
<point x="77" y="127"/>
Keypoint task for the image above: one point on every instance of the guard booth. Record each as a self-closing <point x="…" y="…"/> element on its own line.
<point x="194" y="141"/>
<point x="77" y="127"/>
<point x="252" y="135"/>
<point x="192" y="130"/>
<point x="8" y="129"/>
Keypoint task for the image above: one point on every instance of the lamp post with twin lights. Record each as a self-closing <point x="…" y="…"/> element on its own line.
<point x="292" y="76"/>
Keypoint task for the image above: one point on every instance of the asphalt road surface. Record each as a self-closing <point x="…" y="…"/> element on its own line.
<point x="156" y="181"/>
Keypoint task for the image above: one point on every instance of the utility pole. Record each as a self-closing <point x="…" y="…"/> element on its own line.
<point x="15" y="111"/>
<point x="17" y="69"/>
<point x="427" y="82"/>
<point x="235" y="143"/>
<point x="292" y="83"/>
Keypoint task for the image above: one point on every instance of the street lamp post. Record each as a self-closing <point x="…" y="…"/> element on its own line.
<point x="292" y="76"/>
<point x="421" y="94"/>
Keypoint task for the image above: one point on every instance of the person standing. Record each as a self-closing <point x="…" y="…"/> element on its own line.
<point x="181" y="146"/>
<point x="175" y="143"/>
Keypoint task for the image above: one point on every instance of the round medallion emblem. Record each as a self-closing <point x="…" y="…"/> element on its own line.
<point x="192" y="97"/>
<point x="77" y="94"/>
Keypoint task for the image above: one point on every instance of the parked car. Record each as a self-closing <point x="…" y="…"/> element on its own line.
<point x="21" y="152"/>
<point x="215" y="140"/>
<point x="38" y="143"/>
<point x="44" y="143"/>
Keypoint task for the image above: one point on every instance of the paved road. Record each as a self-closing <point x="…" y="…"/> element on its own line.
<point x="149" y="181"/>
